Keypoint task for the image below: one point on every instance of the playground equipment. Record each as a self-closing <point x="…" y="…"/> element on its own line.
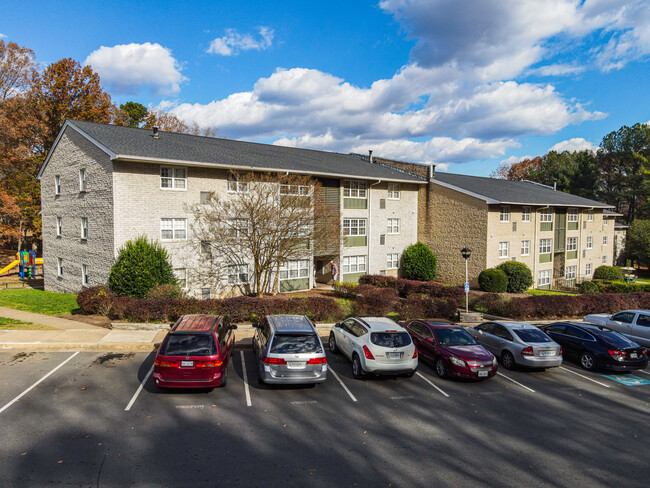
<point x="27" y="262"/>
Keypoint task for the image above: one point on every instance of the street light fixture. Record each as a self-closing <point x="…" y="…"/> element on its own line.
<point x="466" y="253"/>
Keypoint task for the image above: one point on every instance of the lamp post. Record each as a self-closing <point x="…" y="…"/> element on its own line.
<point x="466" y="253"/>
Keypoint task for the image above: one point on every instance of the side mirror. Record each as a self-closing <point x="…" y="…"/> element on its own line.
<point x="338" y="324"/>
<point x="255" y="325"/>
<point x="233" y="326"/>
<point x="479" y="331"/>
<point x="430" y="340"/>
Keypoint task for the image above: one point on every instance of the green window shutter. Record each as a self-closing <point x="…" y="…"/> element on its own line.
<point x="544" y="258"/>
<point x="572" y="255"/>
<point x="355" y="203"/>
<point x="352" y="277"/>
<point x="546" y="226"/>
<point x="355" y="241"/>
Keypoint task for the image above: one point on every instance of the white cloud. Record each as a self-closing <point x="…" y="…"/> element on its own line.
<point x="126" y="68"/>
<point x="575" y="144"/>
<point x="442" y="167"/>
<point x="234" y="42"/>
<point x="2" y="35"/>
<point x="558" y="70"/>
<point x="514" y="159"/>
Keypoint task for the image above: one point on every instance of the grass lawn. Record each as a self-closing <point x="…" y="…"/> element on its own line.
<point x="38" y="301"/>
<point x="11" y="324"/>
<point x="547" y="292"/>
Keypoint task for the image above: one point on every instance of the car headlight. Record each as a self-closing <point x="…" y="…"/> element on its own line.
<point x="456" y="361"/>
<point x="494" y="361"/>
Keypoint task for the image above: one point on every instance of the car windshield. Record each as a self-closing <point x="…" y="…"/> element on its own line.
<point x="454" y="337"/>
<point x="189" y="345"/>
<point x="614" y="339"/>
<point x="390" y="339"/>
<point x="295" y="344"/>
<point x="531" y="335"/>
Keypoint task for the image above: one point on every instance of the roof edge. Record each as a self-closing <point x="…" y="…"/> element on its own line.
<point x="466" y="192"/>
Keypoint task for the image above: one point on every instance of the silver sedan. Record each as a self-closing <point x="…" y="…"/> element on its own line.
<point x="518" y="344"/>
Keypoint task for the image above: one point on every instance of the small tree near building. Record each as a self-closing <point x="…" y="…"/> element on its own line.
<point x="419" y="263"/>
<point x="637" y="244"/>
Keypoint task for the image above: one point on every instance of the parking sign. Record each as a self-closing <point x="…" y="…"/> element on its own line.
<point x="466" y="287"/>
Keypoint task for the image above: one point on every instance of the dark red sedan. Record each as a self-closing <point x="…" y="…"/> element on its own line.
<point x="451" y="350"/>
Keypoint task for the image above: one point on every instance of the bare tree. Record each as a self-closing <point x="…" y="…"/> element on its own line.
<point x="264" y="220"/>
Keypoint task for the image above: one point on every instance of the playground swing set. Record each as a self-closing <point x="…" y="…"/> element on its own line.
<point x="27" y="262"/>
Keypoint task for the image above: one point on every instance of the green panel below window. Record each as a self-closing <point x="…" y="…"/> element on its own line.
<point x="352" y="277"/>
<point x="544" y="258"/>
<point x="546" y="226"/>
<point x="355" y="241"/>
<point x="544" y="287"/>
<point x="355" y="203"/>
<point x="293" y="285"/>
<point x="572" y="255"/>
<point x="572" y="225"/>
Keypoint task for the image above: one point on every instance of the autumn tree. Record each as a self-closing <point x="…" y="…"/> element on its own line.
<point x="171" y="123"/>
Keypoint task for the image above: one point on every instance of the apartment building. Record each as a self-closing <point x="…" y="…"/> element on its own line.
<point x="104" y="185"/>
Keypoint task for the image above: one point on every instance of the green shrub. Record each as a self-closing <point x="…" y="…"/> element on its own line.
<point x="141" y="265"/>
<point x="609" y="273"/>
<point x="493" y="280"/>
<point x="589" y="287"/>
<point x="169" y="290"/>
<point x="419" y="263"/>
<point x="519" y="276"/>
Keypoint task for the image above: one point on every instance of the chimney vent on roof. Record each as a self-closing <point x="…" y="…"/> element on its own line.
<point x="370" y="155"/>
<point x="155" y="132"/>
<point x="432" y="171"/>
<point x="555" y="186"/>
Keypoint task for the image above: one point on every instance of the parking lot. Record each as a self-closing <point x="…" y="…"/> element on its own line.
<point x="96" y="419"/>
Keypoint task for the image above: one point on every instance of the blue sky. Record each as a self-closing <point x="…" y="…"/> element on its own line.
<point x="465" y="84"/>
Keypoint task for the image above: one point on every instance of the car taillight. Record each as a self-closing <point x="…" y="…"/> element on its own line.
<point x="560" y="353"/>
<point x="367" y="352"/>
<point x="528" y="351"/>
<point x="415" y="353"/>
<point x="322" y="360"/>
<point x="618" y="355"/>
<point x="644" y="352"/>
<point x="166" y="364"/>
<point x="208" y="364"/>
<point x="268" y="360"/>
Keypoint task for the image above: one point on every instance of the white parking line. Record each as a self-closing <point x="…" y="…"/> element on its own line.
<point x="641" y="371"/>
<point x="35" y="384"/>
<point x="585" y="377"/>
<point x="243" y="368"/>
<point x="342" y="384"/>
<point x="135" y="396"/>
<point x="425" y="379"/>
<point x="516" y="382"/>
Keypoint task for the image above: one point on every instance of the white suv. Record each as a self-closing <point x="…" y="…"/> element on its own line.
<point x="375" y="345"/>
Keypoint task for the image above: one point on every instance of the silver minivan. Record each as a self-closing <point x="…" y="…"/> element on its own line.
<point x="288" y="350"/>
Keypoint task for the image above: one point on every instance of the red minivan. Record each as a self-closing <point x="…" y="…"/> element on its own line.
<point x="195" y="353"/>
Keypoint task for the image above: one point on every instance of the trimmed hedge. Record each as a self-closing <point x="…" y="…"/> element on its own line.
<point x="610" y="273"/>
<point x="493" y="280"/>
<point x="419" y="262"/>
<point x="613" y="287"/>
<point x="405" y="287"/>
<point x="519" y="276"/>
<point x="375" y="302"/>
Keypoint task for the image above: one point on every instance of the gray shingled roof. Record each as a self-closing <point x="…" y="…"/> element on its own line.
<point x="131" y="143"/>
<point x="496" y="191"/>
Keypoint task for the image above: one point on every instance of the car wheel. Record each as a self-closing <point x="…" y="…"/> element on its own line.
<point x="441" y="368"/>
<point x="508" y="360"/>
<point x="224" y="378"/>
<point x="357" y="369"/>
<point x="332" y="343"/>
<point x="260" y="377"/>
<point x="588" y="361"/>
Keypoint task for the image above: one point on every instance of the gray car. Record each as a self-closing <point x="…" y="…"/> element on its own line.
<point x="288" y="350"/>
<point x="634" y="324"/>
<point x="518" y="344"/>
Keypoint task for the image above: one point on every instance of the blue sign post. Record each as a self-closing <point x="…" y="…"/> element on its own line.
<point x="466" y="287"/>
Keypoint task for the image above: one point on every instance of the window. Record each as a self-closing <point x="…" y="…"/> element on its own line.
<point x="545" y="246"/>
<point x="546" y="215"/>
<point x="382" y="239"/>
<point x="504" y="248"/>
<point x="59" y="226"/>
<point x="355" y="189"/>
<point x="57" y="185"/>
<point x="84" y="275"/>
<point x="173" y="178"/>
<point x="572" y="215"/>
<point x="604" y="240"/>
<point x="604" y="259"/>
<point x="572" y="244"/>
<point x="206" y="248"/>
<point x="590" y="216"/>
<point x="570" y="272"/>
<point x="205" y="197"/>
<point x="525" y="248"/>
<point x="237" y="274"/>
<point x="588" y="269"/>
<point x="59" y="266"/>
<point x="181" y="277"/>
<point x="290" y="270"/>
<point x="392" y="261"/>
<point x="84" y="227"/>
<point x="605" y="221"/>
<point x="236" y="186"/>
<point x="624" y="317"/>
<point x="354" y="227"/>
<point x="544" y="278"/>
<point x="82" y="180"/>
<point x="297" y="190"/>
<point x="205" y="293"/>
<point x="505" y="214"/>
<point x="354" y="264"/>
<point x="382" y="203"/>
<point x="393" y="191"/>
<point x="238" y="228"/>
<point x="525" y="214"/>
<point x="173" y="229"/>
<point x="590" y="242"/>
<point x="393" y="226"/>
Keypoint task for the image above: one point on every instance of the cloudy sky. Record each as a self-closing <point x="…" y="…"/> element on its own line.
<point x="466" y="84"/>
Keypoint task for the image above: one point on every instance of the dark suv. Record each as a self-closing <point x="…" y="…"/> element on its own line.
<point x="195" y="353"/>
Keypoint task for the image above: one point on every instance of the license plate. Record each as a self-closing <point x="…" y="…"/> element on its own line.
<point x="394" y="355"/>
<point x="296" y="364"/>
<point x="547" y="353"/>
<point x="187" y="364"/>
<point x="482" y="373"/>
<point x="633" y="355"/>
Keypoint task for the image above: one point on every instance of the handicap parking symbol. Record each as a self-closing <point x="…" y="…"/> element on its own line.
<point x="627" y="380"/>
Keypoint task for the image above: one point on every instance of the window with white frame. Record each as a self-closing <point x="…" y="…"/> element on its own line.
<point x="84" y="227"/>
<point x="393" y="226"/>
<point x="173" y="229"/>
<point x="354" y="227"/>
<point x="237" y="274"/>
<point x="205" y="293"/>
<point x="204" y="197"/>
<point x="570" y="272"/>
<point x="525" y="248"/>
<point x="59" y="266"/>
<point x="504" y="216"/>
<point x="236" y="186"/>
<point x="238" y="228"/>
<point x="296" y="190"/>
<point x="572" y="244"/>
<point x="590" y="242"/>
<point x="572" y="215"/>
<point x="605" y="221"/>
<point x="392" y="261"/>
<point x="82" y="180"/>
<point x="525" y="214"/>
<point x="604" y="259"/>
<point x="393" y="191"/>
<point x="544" y="278"/>
<point x="181" y="277"/>
<point x="604" y="240"/>
<point x="546" y="215"/>
<point x="545" y="246"/>
<point x="355" y="189"/>
<point x="590" y="216"/>
<point x="354" y="264"/>
<point x="504" y="249"/>
<point x="84" y="275"/>
<point x="57" y="184"/>
<point x="172" y="178"/>
<point x="588" y="269"/>
<point x="291" y="270"/>
<point x="59" y="226"/>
